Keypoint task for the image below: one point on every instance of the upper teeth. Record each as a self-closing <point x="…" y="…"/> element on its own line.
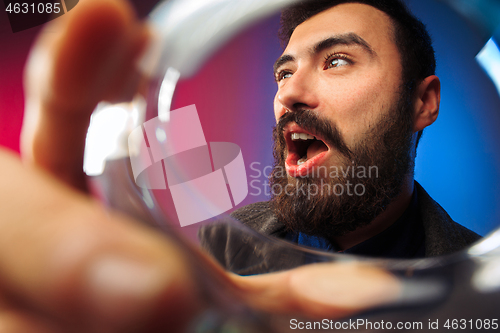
<point x="302" y="136"/>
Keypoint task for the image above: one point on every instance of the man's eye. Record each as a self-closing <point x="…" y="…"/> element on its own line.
<point x="283" y="75"/>
<point x="336" y="61"/>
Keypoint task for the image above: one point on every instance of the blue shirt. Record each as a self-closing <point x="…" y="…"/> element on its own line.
<point x="405" y="238"/>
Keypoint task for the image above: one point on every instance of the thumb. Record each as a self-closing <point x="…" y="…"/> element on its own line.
<point x="84" y="57"/>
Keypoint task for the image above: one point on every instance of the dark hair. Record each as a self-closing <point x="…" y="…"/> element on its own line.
<point x="410" y="35"/>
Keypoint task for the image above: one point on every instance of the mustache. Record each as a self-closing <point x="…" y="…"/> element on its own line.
<point x="312" y="122"/>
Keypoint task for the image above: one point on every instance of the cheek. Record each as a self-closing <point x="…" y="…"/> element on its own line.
<point x="356" y="106"/>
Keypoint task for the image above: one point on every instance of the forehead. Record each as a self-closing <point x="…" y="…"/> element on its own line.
<point x="371" y="24"/>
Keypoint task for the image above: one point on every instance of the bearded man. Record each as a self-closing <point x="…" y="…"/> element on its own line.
<point x="356" y="88"/>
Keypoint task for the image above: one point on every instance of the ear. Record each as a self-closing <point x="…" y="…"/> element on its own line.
<point x="427" y="102"/>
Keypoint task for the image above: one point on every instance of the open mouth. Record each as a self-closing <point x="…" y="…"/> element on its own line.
<point x="305" y="151"/>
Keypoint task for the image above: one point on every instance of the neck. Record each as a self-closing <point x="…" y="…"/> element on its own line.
<point x="393" y="212"/>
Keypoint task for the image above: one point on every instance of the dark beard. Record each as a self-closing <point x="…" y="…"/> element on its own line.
<point x="314" y="205"/>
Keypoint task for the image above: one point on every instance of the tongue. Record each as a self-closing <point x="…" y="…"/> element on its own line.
<point x="316" y="148"/>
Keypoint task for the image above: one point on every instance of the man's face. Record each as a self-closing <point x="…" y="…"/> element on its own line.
<point x="340" y="80"/>
<point x="328" y="70"/>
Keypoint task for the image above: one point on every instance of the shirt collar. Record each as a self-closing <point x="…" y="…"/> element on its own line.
<point x="405" y="238"/>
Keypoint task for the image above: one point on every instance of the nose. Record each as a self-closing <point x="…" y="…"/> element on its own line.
<point x="298" y="92"/>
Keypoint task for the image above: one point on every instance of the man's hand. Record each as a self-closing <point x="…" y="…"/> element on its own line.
<point x="65" y="261"/>
<point x="69" y="265"/>
<point x="84" y="57"/>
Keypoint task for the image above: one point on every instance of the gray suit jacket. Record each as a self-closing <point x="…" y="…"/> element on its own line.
<point x="249" y="253"/>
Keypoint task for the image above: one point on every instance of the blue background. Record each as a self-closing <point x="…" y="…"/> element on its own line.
<point x="458" y="160"/>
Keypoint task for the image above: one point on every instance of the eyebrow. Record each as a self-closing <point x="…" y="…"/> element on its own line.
<point x="348" y="39"/>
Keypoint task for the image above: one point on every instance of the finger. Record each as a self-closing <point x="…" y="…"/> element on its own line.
<point x="89" y="58"/>
<point x="63" y="256"/>
<point x="332" y="290"/>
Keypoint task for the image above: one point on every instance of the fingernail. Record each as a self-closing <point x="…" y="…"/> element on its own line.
<point x="121" y="289"/>
<point x="422" y="291"/>
<point x="348" y="286"/>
